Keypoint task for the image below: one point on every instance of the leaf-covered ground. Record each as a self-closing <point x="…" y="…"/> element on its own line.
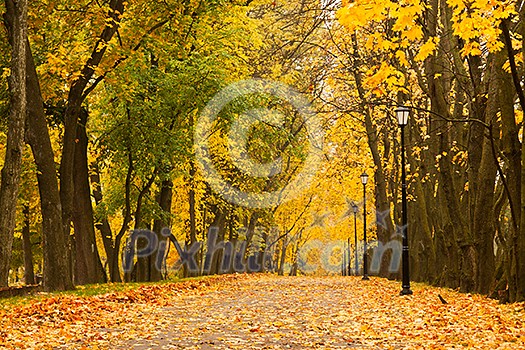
<point x="266" y="312"/>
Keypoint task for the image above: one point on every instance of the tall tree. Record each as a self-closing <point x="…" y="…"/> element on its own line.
<point x="10" y="175"/>
<point x="57" y="274"/>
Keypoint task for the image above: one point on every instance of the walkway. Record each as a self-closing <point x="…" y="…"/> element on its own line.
<point x="268" y="312"/>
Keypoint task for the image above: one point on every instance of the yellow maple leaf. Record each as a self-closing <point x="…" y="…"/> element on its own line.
<point x="401" y="56"/>
<point x="427" y="49"/>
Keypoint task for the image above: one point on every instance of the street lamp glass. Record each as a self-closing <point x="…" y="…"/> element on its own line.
<point x="364" y="178"/>
<point x="402" y="114"/>
<point x="355" y="208"/>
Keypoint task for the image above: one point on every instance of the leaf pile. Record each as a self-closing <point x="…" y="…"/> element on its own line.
<point x="268" y="312"/>
<point x="67" y="319"/>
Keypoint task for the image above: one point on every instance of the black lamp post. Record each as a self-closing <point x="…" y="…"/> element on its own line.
<point x="343" y="263"/>
<point x="402" y="114"/>
<point x="355" y="208"/>
<point x="348" y="267"/>
<point x="364" y="180"/>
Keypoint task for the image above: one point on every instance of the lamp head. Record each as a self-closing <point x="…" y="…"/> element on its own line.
<point x="402" y="113"/>
<point x="364" y="178"/>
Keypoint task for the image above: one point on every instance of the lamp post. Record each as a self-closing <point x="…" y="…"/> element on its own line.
<point x="402" y="114"/>
<point x="364" y="180"/>
<point x="355" y="208"/>
<point x="343" y="262"/>
<point x="348" y="267"/>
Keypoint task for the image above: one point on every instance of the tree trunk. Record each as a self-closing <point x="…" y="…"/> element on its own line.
<point x="140" y="271"/>
<point x="103" y="224"/>
<point x="77" y="95"/>
<point x="215" y="250"/>
<point x="10" y="175"/>
<point x="114" y="258"/>
<point x="29" y="272"/>
<point x="250" y="230"/>
<point x="282" y="257"/>
<point x="386" y="227"/>
<point x="57" y="274"/>
<point x="191" y="202"/>
<point x="520" y="244"/>
<point x="483" y="220"/>
<point x="385" y="230"/>
<point x="164" y="200"/>
<point x="88" y="267"/>
<point x="511" y="149"/>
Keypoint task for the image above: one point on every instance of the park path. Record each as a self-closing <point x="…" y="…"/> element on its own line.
<point x="270" y="312"/>
<point x="266" y="312"/>
<point x="261" y="313"/>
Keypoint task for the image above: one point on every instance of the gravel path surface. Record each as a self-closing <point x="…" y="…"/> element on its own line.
<point x="266" y="313"/>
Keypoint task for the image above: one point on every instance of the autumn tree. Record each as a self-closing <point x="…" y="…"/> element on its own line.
<point x="10" y="175"/>
<point x="447" y="60"/>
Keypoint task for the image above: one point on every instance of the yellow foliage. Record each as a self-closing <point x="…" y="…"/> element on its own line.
<point x="384" y="76"/>
<point x="427" y="49"/>
<point x="478" y="22"/>
<point x="472" y="48"/>
<point x="402" y="58"/>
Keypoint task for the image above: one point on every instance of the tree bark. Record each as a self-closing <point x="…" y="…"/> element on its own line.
<point x="10" y="175"/>
<point x="76" y="97"/>
<point x="483" y="224"/>
<point x="114" y="258"/>
<point x="519" y="244"/>
<point x="213" y="258"/>
<point x="282" y="257"/>
<point x="164" y="200"/>
<point x="511" y="150"/>
<point x="142" y="271"/>
<point x="191" y="203"/>
<point x="57" y="274"/>
<point x="382" y="204"/>
<point x="29" y="272"/>
<point x="102" y="224"/>
<point x="88" y="267"/>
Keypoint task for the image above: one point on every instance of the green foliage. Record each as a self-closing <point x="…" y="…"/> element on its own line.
<point x="148" y="105"/>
